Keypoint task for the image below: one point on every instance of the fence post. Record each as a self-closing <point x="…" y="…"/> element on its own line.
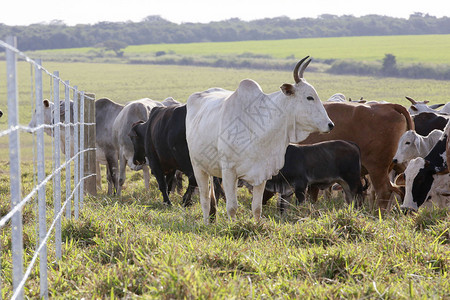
<point x="41" y="177"/>
<point x="67" y="147"/>
<point x="57" y="185"/>
<point x="14" y="159"/>
<point x="90" y="160"/>
<point x="75" y="139"/>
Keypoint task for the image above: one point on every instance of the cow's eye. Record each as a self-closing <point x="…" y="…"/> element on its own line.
<point x="310" y="98"/>
<point x="407" y="143"/>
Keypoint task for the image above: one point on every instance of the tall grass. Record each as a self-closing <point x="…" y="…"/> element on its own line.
<point x="135" y="246"/>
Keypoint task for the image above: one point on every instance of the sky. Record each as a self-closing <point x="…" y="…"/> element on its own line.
<point x="27" y="12"/>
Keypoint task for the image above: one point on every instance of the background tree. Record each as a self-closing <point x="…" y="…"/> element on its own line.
<point x="116" y="46"/>
<point x="389" y="65"/>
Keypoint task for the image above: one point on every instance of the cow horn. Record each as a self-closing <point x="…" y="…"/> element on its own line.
<point x="411" y="100"/>
<point x="299" y="74"/>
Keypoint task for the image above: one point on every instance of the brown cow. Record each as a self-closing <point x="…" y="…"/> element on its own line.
<point x="376" y="128"/>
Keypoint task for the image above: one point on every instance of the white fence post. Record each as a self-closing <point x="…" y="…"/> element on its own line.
<point x="74" y="124"/>
<point x="14" y="159"/>
<point x="67" y="143"/>
<point x="57" y="162"/>
<point x="41" y="177"/>
<point x="82" y="147"/>
<point x="75" y="139"/>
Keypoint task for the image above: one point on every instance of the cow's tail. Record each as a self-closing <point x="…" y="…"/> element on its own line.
<point x="402" y="110"/>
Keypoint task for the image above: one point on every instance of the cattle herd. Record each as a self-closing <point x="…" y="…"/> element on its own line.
<point x="287" y="142"/>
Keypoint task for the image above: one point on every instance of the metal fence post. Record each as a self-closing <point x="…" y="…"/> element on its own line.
<point x="75" y="139"/>
<point x="82" y="147"/>
<point x="68" y="148"/>
<point x="14" y="158"/>
<point x="90" y="160"/>
<point x="41" y="177"/>
<point x="57" y="185"/>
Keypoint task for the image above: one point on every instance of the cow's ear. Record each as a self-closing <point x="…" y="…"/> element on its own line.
<point x="400" y="180"/>
<point x="413" y="108"/>
<point x="288" y="89"/>
<point x="133" y="131"/>
<point x="46" y="103"/>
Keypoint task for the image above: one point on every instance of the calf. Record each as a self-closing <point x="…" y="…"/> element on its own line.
<point x="318" y="165"/>
<point x="412" y="145"/>
<point x="162" y="141"/>
<point x="421" y="174"/>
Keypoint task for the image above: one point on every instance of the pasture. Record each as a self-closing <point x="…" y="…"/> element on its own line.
<point x="134" y="246"/>
<point x="407" y="49"/>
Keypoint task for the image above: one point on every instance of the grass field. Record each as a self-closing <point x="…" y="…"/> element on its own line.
<point x="134" y="246"/>
<point x="407" y="49"/>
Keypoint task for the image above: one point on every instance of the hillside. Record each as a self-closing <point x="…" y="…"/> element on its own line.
<point x="156" y="30"/>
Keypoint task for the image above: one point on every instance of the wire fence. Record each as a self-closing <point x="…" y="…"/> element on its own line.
<point x="38" y="204"/>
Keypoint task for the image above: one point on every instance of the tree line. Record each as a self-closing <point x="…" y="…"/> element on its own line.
<point x="154" y="29"/>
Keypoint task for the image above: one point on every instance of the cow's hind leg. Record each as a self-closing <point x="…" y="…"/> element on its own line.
<point x="203" y="188"/>
<point x="229" y="182"/>
<point x="187" y="197"/>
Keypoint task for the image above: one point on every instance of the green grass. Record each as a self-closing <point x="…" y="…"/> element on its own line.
<point x="134" y="246"/>
<point x="406" y="48"/>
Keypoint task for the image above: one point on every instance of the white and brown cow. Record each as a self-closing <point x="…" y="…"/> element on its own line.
<point x="244" y="134"/>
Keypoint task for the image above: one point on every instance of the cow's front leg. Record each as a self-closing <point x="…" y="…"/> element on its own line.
<point x="258" y="191"/>
<point x="122" y="174"/>
<point x="229" y="182"/>
<point x="146" y="172"/>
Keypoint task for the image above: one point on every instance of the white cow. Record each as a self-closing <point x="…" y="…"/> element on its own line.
<point x="133" y="112"/>
<point x="445" y="109"/>
<point x="338" y="97"/>
<point x="48" y="107"/>
<point x="244" y="134"/>
<point x="48" y="111"/>
<point x="412" y="145"/>
<point x="418" y="107"/>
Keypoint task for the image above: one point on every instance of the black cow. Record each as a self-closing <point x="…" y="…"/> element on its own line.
<point x="318" y="166"/>
<point x="1" y="113"/>
<point x="425" y="122"/>
<point x="162" y="140"/>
